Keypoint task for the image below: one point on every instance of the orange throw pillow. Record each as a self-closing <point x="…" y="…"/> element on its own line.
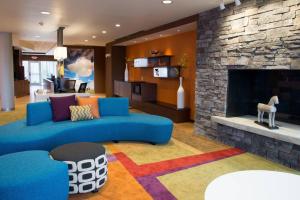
<point x="93" y="101"/>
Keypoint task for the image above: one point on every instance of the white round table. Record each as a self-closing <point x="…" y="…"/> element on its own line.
<point x="254" y="185"/>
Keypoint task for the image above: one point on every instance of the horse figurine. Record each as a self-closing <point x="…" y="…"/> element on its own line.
<point x="270" y="108"/>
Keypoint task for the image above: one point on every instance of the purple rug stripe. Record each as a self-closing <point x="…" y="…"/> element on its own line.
<point x="111" y="158"/>
<point x="152" y="185"/>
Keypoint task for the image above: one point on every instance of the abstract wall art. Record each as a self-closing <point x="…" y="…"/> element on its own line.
<point x="80" y="66"/>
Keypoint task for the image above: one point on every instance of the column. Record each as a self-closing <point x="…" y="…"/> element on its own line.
<point x="6" y="72"/>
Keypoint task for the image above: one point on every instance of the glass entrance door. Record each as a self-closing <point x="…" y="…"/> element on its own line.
<point x="35" y="73"/>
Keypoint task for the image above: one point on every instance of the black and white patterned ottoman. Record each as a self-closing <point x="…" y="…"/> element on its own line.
<point x="87" y="165"/>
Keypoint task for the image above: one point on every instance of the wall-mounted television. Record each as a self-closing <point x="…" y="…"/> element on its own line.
<point x="141" y="62"/>
<point x="166" y="72"/>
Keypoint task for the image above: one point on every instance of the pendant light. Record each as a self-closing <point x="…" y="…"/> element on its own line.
<point x="60" y="52"/>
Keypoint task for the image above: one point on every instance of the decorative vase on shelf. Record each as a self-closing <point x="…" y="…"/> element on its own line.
<point x="126" y="74"/>
<point x="180" y="95"/>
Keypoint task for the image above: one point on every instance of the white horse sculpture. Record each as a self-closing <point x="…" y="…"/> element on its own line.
<point x="270" y="108"/>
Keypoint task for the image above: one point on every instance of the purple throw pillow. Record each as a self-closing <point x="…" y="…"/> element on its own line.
<point x="60" y="107"/>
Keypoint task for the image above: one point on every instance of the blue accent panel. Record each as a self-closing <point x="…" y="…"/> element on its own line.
<point x="113" y="106"/>
<point x="17" y="136"/>
<point x="38" y="113"/>
<point x="32" y="175"/>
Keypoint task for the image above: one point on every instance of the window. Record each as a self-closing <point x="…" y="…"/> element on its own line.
<point x="26" y="69"/>
<point x="48" y="69"/>
<point x="36" y="71"/>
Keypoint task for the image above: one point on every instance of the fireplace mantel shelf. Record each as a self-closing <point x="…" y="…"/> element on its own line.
<point x="286" y="132"/>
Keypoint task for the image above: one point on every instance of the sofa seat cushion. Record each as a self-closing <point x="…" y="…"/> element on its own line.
<point x="17" y="136"/>
<point x="30" y="175"/>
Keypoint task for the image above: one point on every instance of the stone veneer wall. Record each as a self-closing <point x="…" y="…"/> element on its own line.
<point x="259" y="34"/>
<point x="281" y="152"/>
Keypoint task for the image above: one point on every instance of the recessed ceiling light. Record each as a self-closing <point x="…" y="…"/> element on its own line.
<point x="160" y="35"/>
<point x="104" y="32"/>
<point x="86" y="40"/>
<point x="146" y="39"/>
<point x="178" y="30"/>
<point x="37" y="36"/>
<point x="45" y="13"/>
<point x="117" y="25"/>
<point x="167" y="2"/>
<point x="94" y="36"/>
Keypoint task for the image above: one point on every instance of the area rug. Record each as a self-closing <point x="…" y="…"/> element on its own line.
<point x="168" y="172"/>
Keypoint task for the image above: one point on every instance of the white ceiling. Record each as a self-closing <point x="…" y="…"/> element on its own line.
<point x="84" y="18"/>
<point x="173" y="31"/>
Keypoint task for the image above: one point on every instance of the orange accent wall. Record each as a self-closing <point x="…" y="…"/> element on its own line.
<point x="177" y="46"/>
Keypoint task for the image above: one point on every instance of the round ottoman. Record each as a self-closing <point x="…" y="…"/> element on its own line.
<point x="33" y="175"/>
<point x="87" y="164"/>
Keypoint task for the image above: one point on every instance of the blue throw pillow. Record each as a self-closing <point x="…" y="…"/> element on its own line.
<point x="38" y="113"/>
<point x="113" y="106"/>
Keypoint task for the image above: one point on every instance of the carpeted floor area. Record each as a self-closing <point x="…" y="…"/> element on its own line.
<point x="181" y="169"/>
<point x="18" y="113"/>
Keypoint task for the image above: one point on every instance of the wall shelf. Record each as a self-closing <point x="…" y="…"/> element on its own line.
<point x="158" y="61"/>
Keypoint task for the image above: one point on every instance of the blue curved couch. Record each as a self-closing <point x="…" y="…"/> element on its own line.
<point x="32" y="175"/>
<point x="39" y="132"/>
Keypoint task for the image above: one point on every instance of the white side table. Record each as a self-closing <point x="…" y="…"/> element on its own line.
<point x="254" y="185"/>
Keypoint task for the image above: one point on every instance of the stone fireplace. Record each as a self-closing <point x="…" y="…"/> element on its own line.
<point x="237" y="49"/>
<point x="247" y="88"/>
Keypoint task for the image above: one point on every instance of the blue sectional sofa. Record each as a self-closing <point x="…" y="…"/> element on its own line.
<point x="39" y="132"/>
<point x="32" y="175"/>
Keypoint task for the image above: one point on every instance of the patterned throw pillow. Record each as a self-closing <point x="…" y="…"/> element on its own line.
<point x="79" y="113"/>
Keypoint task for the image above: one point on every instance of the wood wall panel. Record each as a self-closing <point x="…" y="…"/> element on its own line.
<point x="99" y="69"/>
<point x="176" y="45"/>
<point x="115" y="66"/>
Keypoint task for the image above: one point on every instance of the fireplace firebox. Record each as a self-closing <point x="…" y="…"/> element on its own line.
<point x="247" y="88"/>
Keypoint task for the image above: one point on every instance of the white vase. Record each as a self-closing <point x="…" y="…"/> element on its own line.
<point x="126" y="74"/>
<point x="180" y="95"/>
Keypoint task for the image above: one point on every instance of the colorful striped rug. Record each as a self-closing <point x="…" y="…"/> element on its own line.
<point x="167" y="172"/>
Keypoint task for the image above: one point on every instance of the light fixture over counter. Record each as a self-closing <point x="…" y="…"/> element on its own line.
<point x="60" y="52"/>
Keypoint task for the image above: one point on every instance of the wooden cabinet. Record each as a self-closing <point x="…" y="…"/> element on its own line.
<point x="136" y="91"/>
<point x="163" y="109"/>
<point x="142" y="91"/>
<point x="18" y="68"/>
<point x="122" y="89"/>
<point x="22" y="88"/>
<point x="142" y="96"/>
